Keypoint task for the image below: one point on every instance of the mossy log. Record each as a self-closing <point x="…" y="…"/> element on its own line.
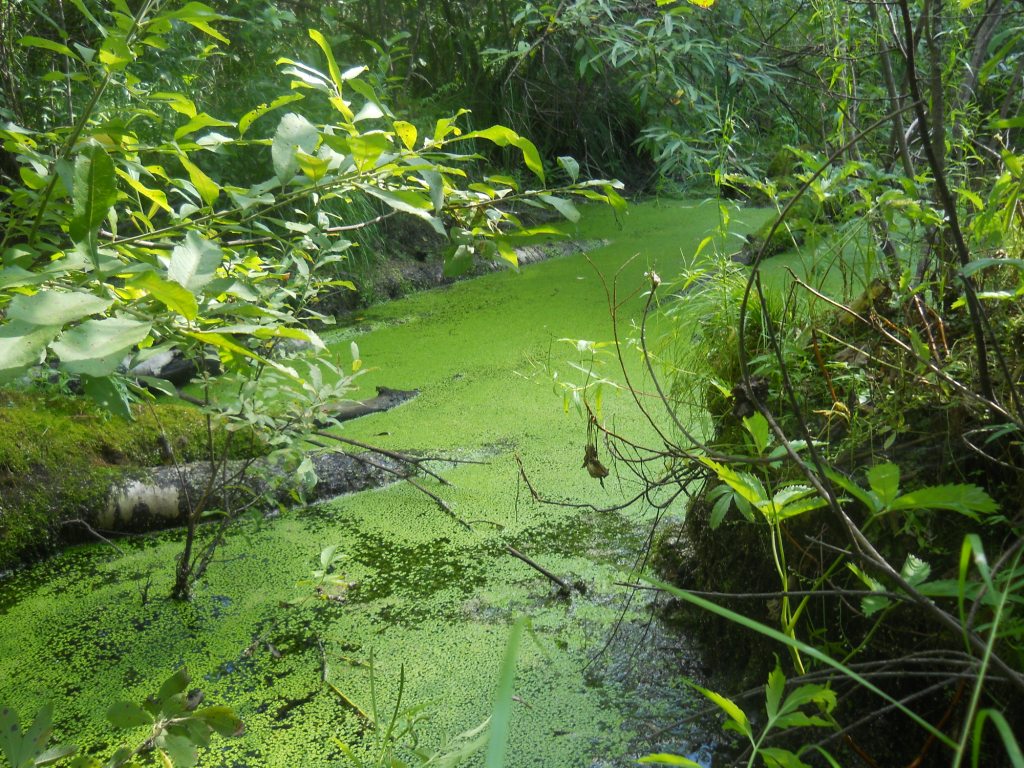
<point x="62" y="461"/>
<point x="161" y="497"/>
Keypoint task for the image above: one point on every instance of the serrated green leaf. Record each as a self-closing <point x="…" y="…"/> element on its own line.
<point x="737" y="717"/>
<point x="801" y="720"/>
<point x="884" y="480"/>
<point x="719" y="510"/>
<point x="665" y="759"/>
<point x="774" y="690"/>
<point x="915" y="570"/>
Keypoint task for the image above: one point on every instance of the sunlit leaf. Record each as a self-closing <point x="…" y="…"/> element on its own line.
<point x="50" y="308"/>
<point x="94" y="191"/>
<point x="194" y="262"/>
<point x="96" y="347"/>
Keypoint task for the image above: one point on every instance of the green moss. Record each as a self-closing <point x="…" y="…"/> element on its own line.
<point x="58" y="454"/>
<point x="428" y="597"/>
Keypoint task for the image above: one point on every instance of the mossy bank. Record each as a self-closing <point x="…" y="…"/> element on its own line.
<point x="59" y="454"/>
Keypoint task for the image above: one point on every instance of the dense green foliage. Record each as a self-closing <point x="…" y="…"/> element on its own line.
<point x="853" y="408"/>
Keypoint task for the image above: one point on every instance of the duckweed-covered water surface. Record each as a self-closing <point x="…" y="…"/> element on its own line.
<point x="429" y="601"/>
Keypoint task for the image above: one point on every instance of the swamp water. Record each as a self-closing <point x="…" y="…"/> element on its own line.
<point x="429" y="602"/>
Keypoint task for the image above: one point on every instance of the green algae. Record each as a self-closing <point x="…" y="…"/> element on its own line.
<point x="90" y="625"/>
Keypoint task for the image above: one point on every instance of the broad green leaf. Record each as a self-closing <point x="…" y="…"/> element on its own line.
<point x="969" y="500"/>
<point x="332" y="65"/>
<point x="55" y="754"/>
<point x="157" y="196"/>
<point x="370" y="111"/>
<point x="179" y="102"/>
<point x="194" y="263"/>
<point x="172" y="295"/>
<point x="759" y="431"/>
<point x="199" y="122"/>
<point x="884" y="480"/>
<point x="222" y="719"/>
<point x="127" y="714"/>
<point x="294" y="132"/>
<point x="979" y="264"/>
<point x="365" y="150"/>
<point x="776" y="757"/>
<point x="180" y="749"/>
<point x="175" y="684"/>
<point x="96" y="347"/>
<point x="94" y="191"/>
<point x="49" y="308"/>
<point x="458" y="260"/>
<point x="11" y="742"/>
<point x="207" y="188"/>
<point x="253" y="115"/>
<point x="110" y="394"/>
<point x="115" y="54"/>
<point x="31" y="41"/>
<point x="563" y="206"/>
<point x="505" y="137"/>
<point x="314" y="168"/>
<point x="199" y="16"/>
<point x="407" y="201"/>
<point x="570" y="166"/>
<point x="22" y="346"/>
<point x="406" y="132"/>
